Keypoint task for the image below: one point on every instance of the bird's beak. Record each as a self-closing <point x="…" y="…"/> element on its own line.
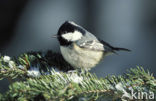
<point x="54" y="36"/>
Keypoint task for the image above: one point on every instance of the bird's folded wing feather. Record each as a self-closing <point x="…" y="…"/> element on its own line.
<point x="92" y="45"/>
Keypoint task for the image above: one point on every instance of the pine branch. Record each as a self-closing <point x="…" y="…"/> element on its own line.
<point x="27" y="62"/>
<point x="49" y="85"/>
<point x="71" y="86"/>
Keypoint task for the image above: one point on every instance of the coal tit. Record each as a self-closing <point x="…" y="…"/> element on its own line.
<point x="80" y="48"/>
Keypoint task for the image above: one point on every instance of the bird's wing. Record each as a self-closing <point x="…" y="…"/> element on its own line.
<point x="92" y="45"/>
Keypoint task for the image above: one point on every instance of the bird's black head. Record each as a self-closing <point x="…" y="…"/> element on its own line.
<point x="69" y="32"/>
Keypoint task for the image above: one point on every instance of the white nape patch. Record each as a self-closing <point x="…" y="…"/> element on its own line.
<point x="72" y="36"/>
<point x="73" y="23"/>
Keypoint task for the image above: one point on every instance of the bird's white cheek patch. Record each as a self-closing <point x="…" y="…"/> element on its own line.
<point x="76" y="35"/>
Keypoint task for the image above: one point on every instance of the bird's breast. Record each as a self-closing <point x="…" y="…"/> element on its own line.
<point x="80" y="57"/>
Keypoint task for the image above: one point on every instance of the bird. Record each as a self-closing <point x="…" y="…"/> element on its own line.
<point x="80" y="48"/>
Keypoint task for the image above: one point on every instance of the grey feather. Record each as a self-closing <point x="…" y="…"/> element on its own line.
<point x="89" y="41"/>
<point x="92" y="45"/>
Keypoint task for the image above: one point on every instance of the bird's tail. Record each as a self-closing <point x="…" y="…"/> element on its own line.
<point x="115" y="49"/>
<point x="120" y="49"/>
<point x="110" y="49"/>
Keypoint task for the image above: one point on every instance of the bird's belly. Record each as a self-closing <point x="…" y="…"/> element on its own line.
<point x="81" y="58"/>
